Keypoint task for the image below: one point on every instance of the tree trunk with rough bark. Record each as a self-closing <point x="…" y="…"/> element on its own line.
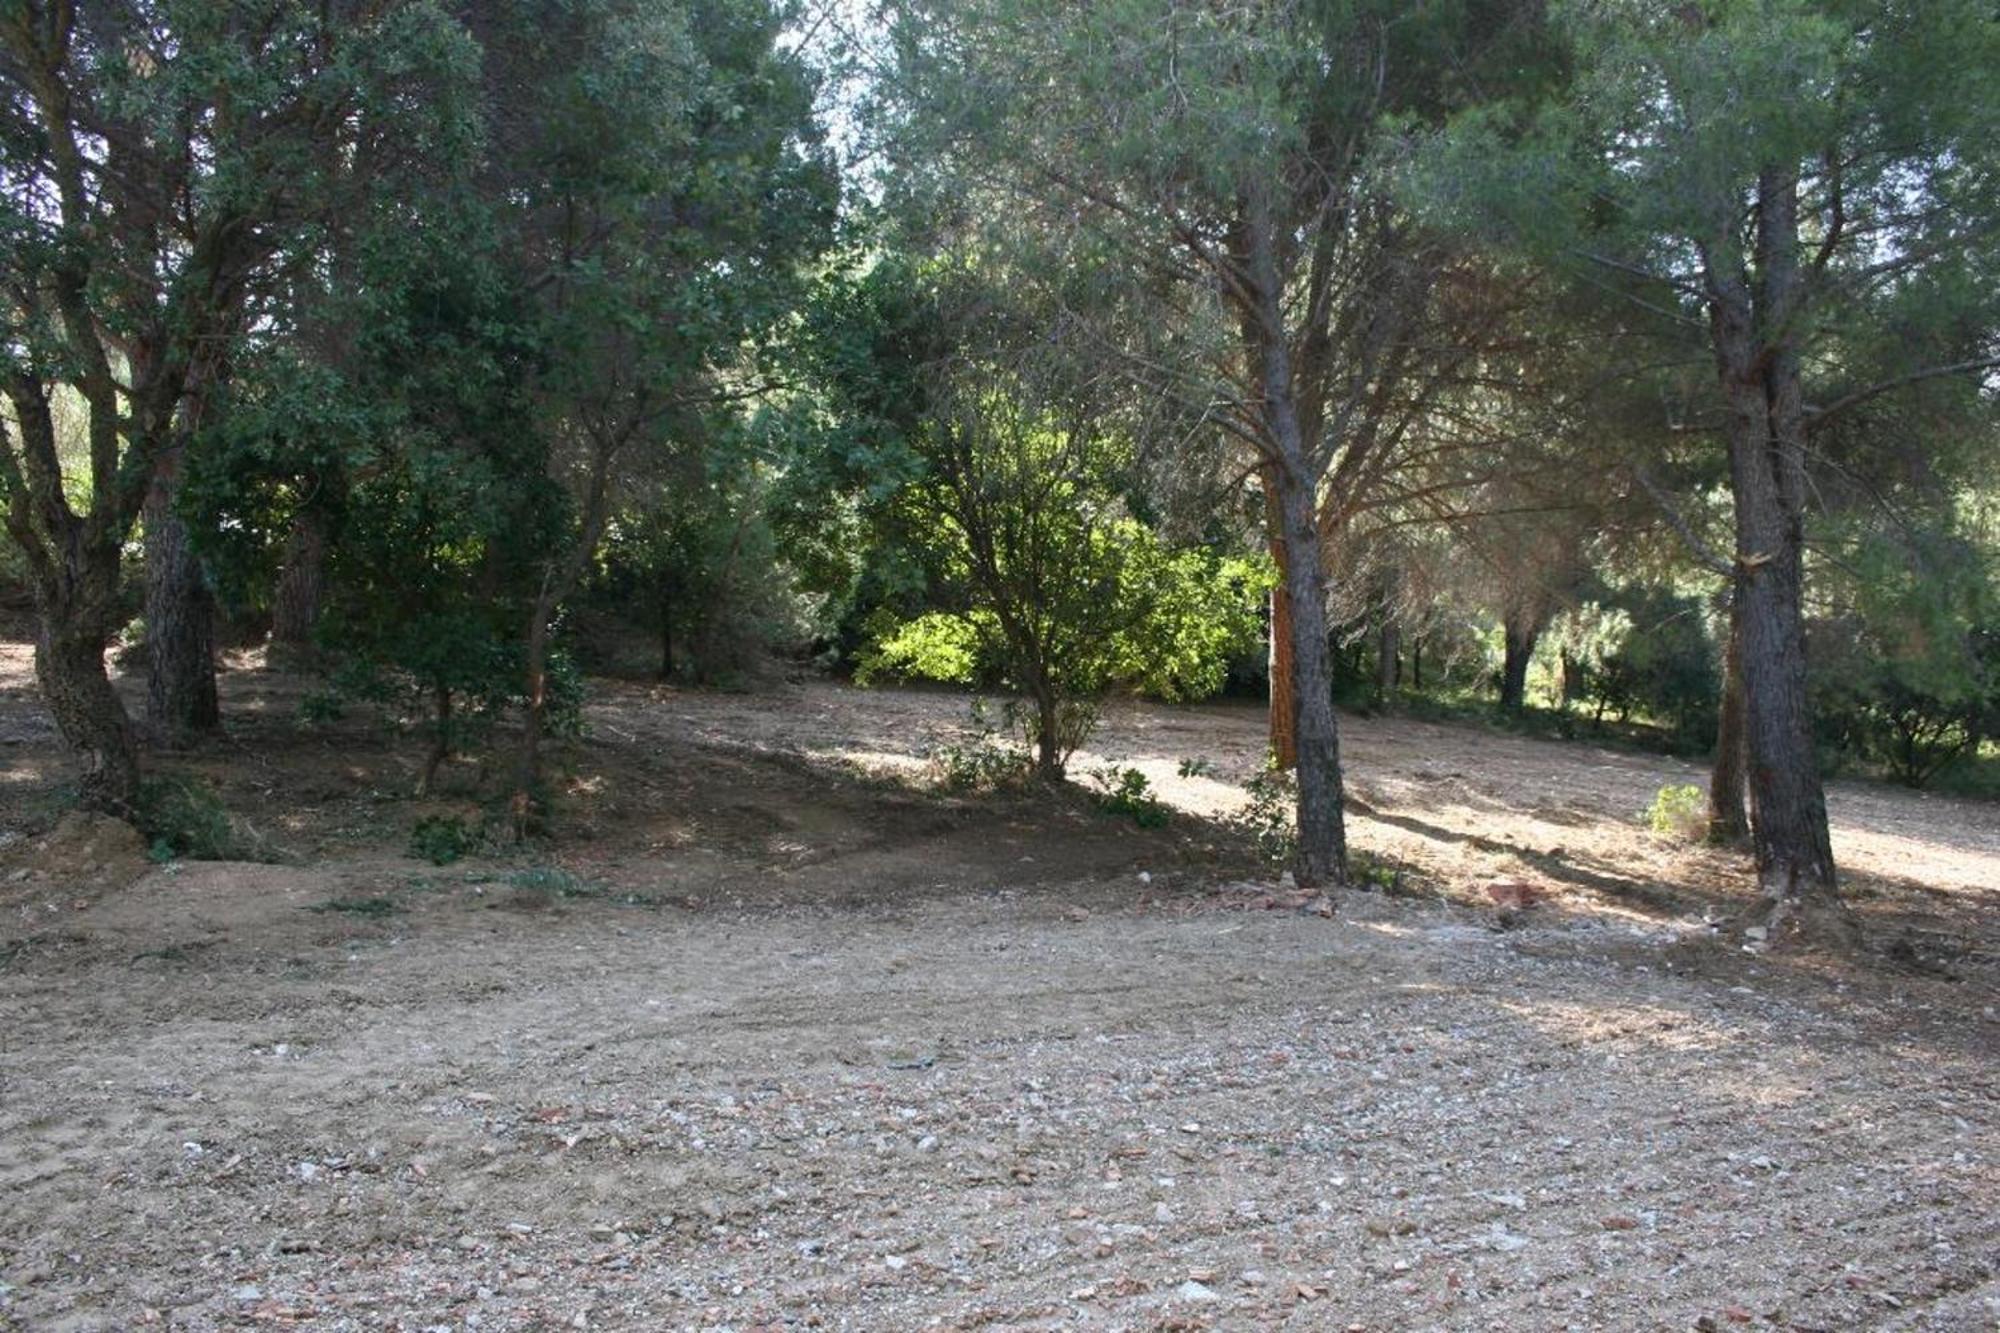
<point x="1728" y="817"/>
<point x="441" y="702"/>
<point x="181" y="701"/>
<point x="1048" y="736"/>
<point x="1388" y="659"/>
<point x="1759" y="372"/>
<point x="666" y="628"/>
<point x="1284" y="741"/>
<point x="1322" y="831"/>
<point x="69" y="667"/>
<point x="1522" y="633"/>
<point x="525" y="807"/>
<point x="301" y="586"/>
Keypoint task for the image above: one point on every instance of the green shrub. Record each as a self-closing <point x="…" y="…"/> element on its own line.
<point x="988" y="760"/>
<point x="441" y="839"/>
<point x="1126" y="791"/>
<point x="1268" y="817"/>
<point x="1679" y="812"/>
<point x="183" y="818"/>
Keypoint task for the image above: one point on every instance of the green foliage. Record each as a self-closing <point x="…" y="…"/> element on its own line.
<point x="939" y="645"/>
<point x="1908" y="675"/>
<point x="1127" y="791"/>
<point x="442" y="839"/>
<point x="1644" y="652"/>
<point x="184" y="818"/>
<point x="1678" y="812"/>
<point x="990" y="759"/>
<point x="1268" y="817"/>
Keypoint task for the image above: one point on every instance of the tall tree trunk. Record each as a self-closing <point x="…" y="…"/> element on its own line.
<point x="440" y="738"/>
<point x="1048" y="735"/>
<point x="69" y="666"/>
<point x="1284" y="740"/>
<point x="559" y="579"/>
<point x="1388" y="659"/>
<point x="1765" y="424"/>
<point x="1291" y="459"/>
<point x="1417" y="664"/>
<point x="525" y="807"/>
<point x="666" y="628"/>
<point x="1322" y="851"/>
<point x="1521" y="632"/>
<point x="295" y="601"/>
<point x="1728" y="818"/>
<point x="180" y="617"/>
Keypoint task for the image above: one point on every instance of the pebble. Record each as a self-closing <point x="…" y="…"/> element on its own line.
<point x="1196" y="1291"/>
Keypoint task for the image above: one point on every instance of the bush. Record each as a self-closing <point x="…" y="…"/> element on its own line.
<point x="1679" y="812"/>
<point x="1268" y="817"/>
<point x="988" y="761"/>
<point x="183" y="818"/>
<point x="1126" y="791"/>
<point x="441" y="839"/>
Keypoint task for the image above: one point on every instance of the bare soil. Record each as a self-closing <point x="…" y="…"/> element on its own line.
<point x="774" y="1035"/>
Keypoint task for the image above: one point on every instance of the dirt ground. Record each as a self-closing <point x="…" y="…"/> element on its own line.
<point x="775" y="1036"/>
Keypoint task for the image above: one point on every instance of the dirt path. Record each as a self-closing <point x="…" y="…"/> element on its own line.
<point x="767" y="1045"/>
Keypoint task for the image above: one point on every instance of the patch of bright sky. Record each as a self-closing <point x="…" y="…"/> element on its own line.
<point x="847" y="41"/>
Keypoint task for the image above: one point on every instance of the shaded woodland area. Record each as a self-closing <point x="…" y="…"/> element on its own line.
<point x="1097" y="632"/>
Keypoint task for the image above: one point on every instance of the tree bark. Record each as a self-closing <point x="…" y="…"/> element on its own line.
<point x="1521" y="633"/>
<point x="440" y="738"/>
<point x="1728" y="818"/>
<point x="1322" y="831"/>
<point x="1284" y="740"/>
<point x="1759" y="372"/>
<point x="525" y="807"/>
<point x="295" y="601"/>
<point x="1388" y="659"/>
<point x="181" y="698"/>
<point x="666" y="629"/>
<point x="1048" y="739"/>
<point x="69" y="666"/>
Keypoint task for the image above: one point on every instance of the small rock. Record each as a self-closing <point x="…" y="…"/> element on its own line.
<point x="1513" y="895"/>
<point x="1620" y="1222"/>
<point x="1196" y="1291"/>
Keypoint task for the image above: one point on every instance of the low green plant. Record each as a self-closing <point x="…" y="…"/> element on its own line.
<point x="1678" y="811"/>
<point x="441" y="839"/>
<point x="183" y="819"/>
<point x="1199" y="766"/>
<point x="1268" y="816"/>
<point x="985" y="761"/>
<point x="1127" y="791"/>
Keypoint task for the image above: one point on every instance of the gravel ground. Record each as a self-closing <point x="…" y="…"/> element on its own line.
<point x="796" y="1050"/>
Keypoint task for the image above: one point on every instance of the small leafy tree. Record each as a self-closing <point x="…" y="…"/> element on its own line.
<point x="1053" y="587"/>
